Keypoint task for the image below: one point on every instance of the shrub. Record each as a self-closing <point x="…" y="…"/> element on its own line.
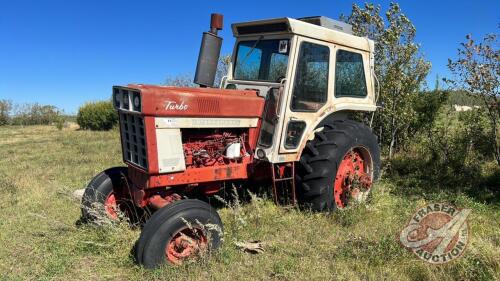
<point x="97" y="116"/>
<point x="59" y="123"/>
<point x="449" y="154"/>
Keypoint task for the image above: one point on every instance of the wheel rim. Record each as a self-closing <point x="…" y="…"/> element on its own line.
<point x="186" y="244"/>
<point x="111" y="206"/>
<point x="354" y="177"/>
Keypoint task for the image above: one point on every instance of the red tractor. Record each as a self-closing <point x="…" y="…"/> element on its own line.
<point x="281" y="116"/>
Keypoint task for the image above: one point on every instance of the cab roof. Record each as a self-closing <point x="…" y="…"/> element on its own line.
<point x="299" y="27"/>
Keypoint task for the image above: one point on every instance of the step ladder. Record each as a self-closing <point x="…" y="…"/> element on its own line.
<point x="284" y="183"/>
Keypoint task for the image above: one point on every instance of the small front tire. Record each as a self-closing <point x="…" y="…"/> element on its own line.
<point x="180" y="231"/>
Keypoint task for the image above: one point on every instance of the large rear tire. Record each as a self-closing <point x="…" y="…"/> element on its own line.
<point x="182" y="230"/>
<point x="99" y="200"/>
<point x="337" y="166"/>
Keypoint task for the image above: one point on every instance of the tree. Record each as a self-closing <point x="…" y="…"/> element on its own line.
<point x="181" y="80"/>
<point x="5" y="108"/>
<point x="186" y="80"/>
<point x="399" y="67"/>
<point x="222" y="69"/>
<point x="436" y="84"/>
<point x="34" y="114"/>
<point x="477" y="71"/>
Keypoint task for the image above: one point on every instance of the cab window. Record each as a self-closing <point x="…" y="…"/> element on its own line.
<point x="349" y="75"/>
<point x="311" y="78"/>
<point x="262" y="60"/>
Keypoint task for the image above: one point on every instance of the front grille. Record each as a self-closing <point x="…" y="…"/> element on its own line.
<point x="133" y="139"/>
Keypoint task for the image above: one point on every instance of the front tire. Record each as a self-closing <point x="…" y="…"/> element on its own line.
<point x="338" y="166"/>
<point x="99" y="200"/>
<point x="182" y="230"/>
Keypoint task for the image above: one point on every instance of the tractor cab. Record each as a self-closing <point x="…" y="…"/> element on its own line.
<point x="306" y="69"/>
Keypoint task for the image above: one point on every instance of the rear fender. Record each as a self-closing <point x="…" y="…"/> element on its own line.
<point x="320" y="123"/>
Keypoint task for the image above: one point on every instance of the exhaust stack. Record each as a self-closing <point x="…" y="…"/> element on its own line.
<point x="209" y="53"/>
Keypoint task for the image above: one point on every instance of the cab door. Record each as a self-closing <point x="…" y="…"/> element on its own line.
<point x="308" y="96"/>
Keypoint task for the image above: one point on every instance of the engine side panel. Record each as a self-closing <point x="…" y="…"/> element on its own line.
<point x="170" y="152"/>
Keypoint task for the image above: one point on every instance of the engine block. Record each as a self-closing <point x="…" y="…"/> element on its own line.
<point x="212" y="147"/>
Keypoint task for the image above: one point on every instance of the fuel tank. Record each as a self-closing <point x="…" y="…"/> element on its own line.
<point x="198" y="102"/>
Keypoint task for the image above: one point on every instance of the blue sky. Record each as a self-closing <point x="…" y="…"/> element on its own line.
<point x="67" y="52"/>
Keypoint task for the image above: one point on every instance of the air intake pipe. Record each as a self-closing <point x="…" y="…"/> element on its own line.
<point x="209" y="53"/>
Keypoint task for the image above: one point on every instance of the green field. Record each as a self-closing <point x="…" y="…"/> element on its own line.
<point x="40" y="167"/>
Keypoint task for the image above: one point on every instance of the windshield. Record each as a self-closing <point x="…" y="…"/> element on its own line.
<point x="262" y="60"/>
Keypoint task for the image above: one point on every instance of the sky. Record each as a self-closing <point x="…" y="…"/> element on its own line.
<point x="65" y="53"/>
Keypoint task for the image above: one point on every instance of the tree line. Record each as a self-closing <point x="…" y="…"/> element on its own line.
<point x="28" y="114"/>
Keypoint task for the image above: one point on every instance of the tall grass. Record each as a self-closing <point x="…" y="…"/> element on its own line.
<point x="40" y="167"/>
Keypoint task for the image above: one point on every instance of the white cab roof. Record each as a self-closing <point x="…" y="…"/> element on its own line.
<point x="306" y="29"/>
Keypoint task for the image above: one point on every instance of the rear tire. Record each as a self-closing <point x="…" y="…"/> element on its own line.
<point x="99" y="200"/>
<point x="320" y="161"/>
<point x="178" y="232"/>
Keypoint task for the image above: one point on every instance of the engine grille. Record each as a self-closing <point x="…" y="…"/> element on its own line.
<point x="133" y="139"/>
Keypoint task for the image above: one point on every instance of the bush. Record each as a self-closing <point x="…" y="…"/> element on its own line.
<point x="59" y="123"/>
<point x="448" y="155"/>
<point x="97" y="116"/>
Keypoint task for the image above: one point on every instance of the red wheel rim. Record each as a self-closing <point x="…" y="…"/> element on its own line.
<point x="353" y="179"/>
<point x="186" y="244"/>
<point x="111" y="206"/>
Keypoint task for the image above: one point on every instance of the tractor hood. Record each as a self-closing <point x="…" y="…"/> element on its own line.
<point x="188" y="102"/>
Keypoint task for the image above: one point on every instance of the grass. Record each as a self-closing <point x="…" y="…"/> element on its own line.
<point x="40" y="167"/>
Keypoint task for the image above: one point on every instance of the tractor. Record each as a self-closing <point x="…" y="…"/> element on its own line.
<point x="282" y="117"/>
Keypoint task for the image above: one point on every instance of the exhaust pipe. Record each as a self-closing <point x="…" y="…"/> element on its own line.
<point x="209" y="53"/>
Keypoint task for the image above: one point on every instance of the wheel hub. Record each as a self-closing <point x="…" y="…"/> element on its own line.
<point x="187" y="243"/>
<point x="111" y="206"/>
<point x="352" y="181"/>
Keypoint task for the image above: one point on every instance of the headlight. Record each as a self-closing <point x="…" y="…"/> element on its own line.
<point x="137" y="101"/>
<point x="117" y="100"/>
<point x="125" y="100"/>
<point x="261" y="154"/>
<point x="116" y="97"/>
